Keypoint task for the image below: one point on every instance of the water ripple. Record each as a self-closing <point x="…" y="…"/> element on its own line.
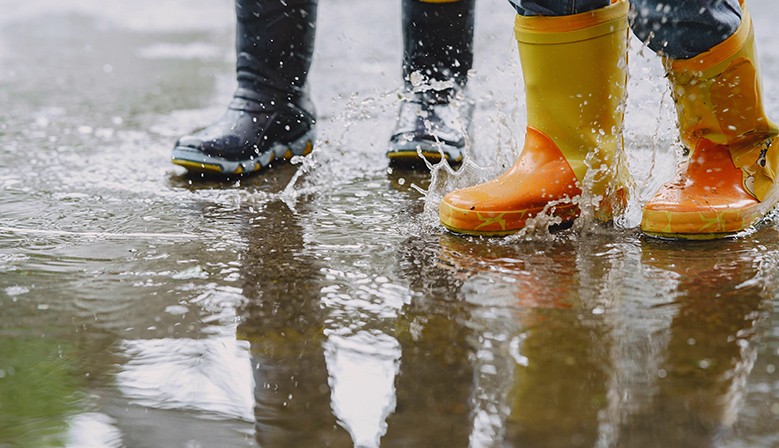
<point x="213" y="376"/>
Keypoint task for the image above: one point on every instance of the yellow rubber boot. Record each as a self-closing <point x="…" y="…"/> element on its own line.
<point x="574" y="71"/>
<point x="729" y="182"/>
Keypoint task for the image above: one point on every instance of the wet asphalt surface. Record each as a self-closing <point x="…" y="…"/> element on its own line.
<point x="320" y="303"/>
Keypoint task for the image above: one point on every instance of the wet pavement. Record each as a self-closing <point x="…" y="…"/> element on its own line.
<point x="319" y="303"/>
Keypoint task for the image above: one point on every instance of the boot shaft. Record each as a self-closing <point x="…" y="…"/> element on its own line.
<point x="718" y="94"/>
<point x="438" y="39"/>
<point x="718" y="98"/>
<point x="575" y="72"/>
<point x="275" y="44"/>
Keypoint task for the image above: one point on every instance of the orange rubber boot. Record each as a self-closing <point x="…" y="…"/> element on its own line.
<point x="729" y="183"/>
<point x="574" y="69"/>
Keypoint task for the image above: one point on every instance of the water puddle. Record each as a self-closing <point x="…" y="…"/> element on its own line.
<point x="320" y="303"/>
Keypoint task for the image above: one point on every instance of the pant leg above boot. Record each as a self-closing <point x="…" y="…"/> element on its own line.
<point x="682" y="29"/>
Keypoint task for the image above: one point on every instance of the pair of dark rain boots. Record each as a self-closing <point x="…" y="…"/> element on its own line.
<point x="271" y="115"/>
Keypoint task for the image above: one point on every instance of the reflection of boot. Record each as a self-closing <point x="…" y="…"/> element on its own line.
<point x="715" y="311"/>
<point x="574" y="72"/>
<point x="729" y="182"/>
<point x="529" y="287"/>
<point x="434" y="382"/>
<point x="270" y="115"/>
<point x="435" y="112"/>
<point x="283" y="321"/>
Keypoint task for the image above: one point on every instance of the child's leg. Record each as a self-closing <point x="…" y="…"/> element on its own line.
<point x="574" y="71"/>
<point x="682" y="29"/>
<point x="270" y="115"/>
<point x="435" y="112"/>
<point x="556" y="7"/>
<point x="730" y="180"/>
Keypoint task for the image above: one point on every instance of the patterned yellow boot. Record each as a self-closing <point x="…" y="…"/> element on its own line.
<point x="574" y="71"/>
<point x="729" y="183"/>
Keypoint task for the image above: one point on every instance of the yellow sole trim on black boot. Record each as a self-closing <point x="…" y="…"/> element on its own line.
<point x="199" y="167"/>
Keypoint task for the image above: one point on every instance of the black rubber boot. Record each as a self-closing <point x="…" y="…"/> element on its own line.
<point x="435" y="112"/>
<point x="271" y="114"/>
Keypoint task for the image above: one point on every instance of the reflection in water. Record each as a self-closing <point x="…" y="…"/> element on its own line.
<point x="93" y="430"/>
<point x="209" y="375"/>
<point x="562" y="343"/>
<point x="355" y="233"/>
<point x="434" y="383"/>
<point x="720" y="301"/>
<point x="38" y="391"/>
<point x="362" y="372"/>
<point x="656" y="355"/>
<point x="283" y="321"/>
<point x="544" y="330"/>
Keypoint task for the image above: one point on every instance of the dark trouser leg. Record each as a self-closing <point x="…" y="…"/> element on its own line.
<point x="556" y="7"/>
<point x="683" y="29"/>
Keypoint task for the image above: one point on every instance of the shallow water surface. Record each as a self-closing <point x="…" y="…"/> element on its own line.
<point x="319" y="303"/>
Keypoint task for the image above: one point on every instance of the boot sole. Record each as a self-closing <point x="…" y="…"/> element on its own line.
<point x="195" y="161"/>
<point x="468" y="222"/>
<point x="408" y="154"/>
<point x="705" y="225"/>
